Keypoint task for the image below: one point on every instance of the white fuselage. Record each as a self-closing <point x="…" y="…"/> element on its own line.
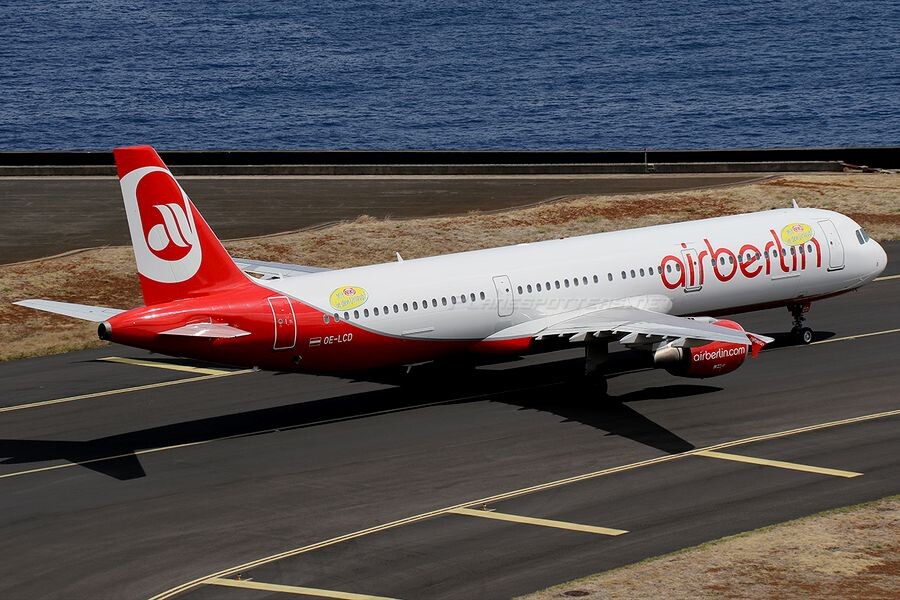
<point x="711" y="266"/>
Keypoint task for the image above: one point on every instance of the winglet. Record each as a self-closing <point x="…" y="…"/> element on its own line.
<point x="757" y="342"/>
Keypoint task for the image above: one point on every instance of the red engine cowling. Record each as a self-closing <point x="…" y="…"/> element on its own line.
<point x="709" y="360"/>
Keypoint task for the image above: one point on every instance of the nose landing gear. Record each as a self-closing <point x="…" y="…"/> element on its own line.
<point x="802" y="334"/>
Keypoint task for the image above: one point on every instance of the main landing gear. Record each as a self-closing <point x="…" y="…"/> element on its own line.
<point x="802" y="334"/>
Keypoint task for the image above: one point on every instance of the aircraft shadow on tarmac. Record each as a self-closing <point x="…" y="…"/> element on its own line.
<point x="552" y="387"/>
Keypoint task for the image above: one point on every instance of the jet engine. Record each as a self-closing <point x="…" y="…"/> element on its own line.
<point x="708" y="360"/>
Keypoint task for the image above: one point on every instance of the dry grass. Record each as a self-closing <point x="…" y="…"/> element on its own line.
<point x="106" y="276"/>
<point x="848" y="553"/>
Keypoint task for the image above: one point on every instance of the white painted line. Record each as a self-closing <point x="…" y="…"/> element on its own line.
<point x="887" y="278"/>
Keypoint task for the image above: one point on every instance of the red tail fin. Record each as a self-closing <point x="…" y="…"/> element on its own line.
<point x="177" y="254"/>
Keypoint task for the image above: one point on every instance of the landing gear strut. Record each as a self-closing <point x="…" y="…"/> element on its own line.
<point x="802" y="334"/>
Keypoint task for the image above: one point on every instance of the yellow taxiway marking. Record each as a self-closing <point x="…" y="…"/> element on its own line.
<point x="164" y="365"/>
<point x="514" y="494"/>
<point x="887" y="278"/>
<point x="489" y="514"/>
<point x="777" y="463"/>
<point x="855" y="337"/>
<point x="136" y="388"/>
<point x="289" y="589"/>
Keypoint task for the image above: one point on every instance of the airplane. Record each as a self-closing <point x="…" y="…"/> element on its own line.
<point x="656" y="289"/>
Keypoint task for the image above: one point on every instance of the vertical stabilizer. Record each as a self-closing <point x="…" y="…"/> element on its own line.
<point x="177" y="254"/>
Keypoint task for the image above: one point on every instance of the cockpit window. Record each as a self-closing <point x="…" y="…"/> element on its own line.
<point x="862" y="236"/>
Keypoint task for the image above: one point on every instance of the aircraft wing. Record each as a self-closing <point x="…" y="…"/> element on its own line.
<point x="96" y="314"/>
<point x="273" y="270"/>
<point x="634" y="327"/>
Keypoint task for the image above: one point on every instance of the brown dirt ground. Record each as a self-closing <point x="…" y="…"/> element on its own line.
<point x="106" y="276"/>
<point x="847" y="553"/>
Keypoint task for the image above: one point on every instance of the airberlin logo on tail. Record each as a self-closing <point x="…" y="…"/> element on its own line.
<point x="795" y="250"/>
<point x="161" y="223"/>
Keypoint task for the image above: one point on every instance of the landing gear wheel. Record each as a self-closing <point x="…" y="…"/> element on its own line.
<point x="802" y="334"/>
<point x="805" y="335"/>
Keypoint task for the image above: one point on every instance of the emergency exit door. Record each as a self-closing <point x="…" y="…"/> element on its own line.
<point x="285" y="323"/>
<point x="505" y="300"/>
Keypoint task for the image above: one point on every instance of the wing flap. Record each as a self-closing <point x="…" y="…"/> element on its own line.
<point x="97" y="314"/>
<point x="207" y="330"/>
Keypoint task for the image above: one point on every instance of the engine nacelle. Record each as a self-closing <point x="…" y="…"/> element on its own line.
<point x="709" y="360"/>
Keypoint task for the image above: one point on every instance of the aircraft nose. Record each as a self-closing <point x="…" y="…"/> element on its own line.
<point x="880" y="259"/>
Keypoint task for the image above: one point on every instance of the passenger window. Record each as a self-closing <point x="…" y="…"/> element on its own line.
<point x="415" y="305"/>
<point x="366" y="312"/>
<point x="722" y="261"/>
<point x="528" y="287"/>
<point x="336" y="317"/>
<point x="793" y="251"/>
<point x="609" y="276"/>
<point x="678" y="267"/>
<point x="557" y="284"/>
<point x="596" y="279"/>
<point x="650" y="270"/>
<point x="375" y="310"/>
<point x="566" y="282"/>
<point x="444" y="301"/>
<point x="668" y="268"/>
<point x="472" y="296"/>
<point x="346" y="316"/>
<point x="575" y="281"/>
<point x="633" y="275"/>
<point x="396" y="309"/>
<point x="809" y="248"/>
<point x="539" y="287"/>
<point x="730" y="260"/>
<point x="462" y="298"/>
<point x="452" y="299"/>
<point x="386" y="311"/>
<point x="434" y="302"/>
<point x="642" y="272"/>
<point x="405" y="307"/>
<point x="520" y="290"/>
<point x="624" y="275"/>
<point x="326" y="319"/>
<point x="482" y="295"/>
<point x="584" y="280"/>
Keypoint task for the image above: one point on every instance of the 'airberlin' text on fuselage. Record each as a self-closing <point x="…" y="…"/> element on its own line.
<point x="691" y="268"/>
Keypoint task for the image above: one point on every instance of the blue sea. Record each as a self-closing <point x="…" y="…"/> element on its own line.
<point x="448" y="75"/>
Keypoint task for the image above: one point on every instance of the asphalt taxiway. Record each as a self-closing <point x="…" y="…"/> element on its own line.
<point x="145" y="477"/>
<point x="49" y="215"/>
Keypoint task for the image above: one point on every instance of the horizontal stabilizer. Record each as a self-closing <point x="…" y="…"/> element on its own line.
<point x="97" y="314"/>
<point x="273" y="270"/>
<point x="207" y="330"/>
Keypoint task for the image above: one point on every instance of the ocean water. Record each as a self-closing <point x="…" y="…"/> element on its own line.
<point x="448" y="75"/>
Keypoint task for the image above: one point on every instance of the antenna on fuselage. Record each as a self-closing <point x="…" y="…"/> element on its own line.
<point x="794" y="203"/>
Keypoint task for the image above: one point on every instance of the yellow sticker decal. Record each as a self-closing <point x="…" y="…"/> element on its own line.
<point x="348" y="297"/>
<point x="796" y="234"/>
